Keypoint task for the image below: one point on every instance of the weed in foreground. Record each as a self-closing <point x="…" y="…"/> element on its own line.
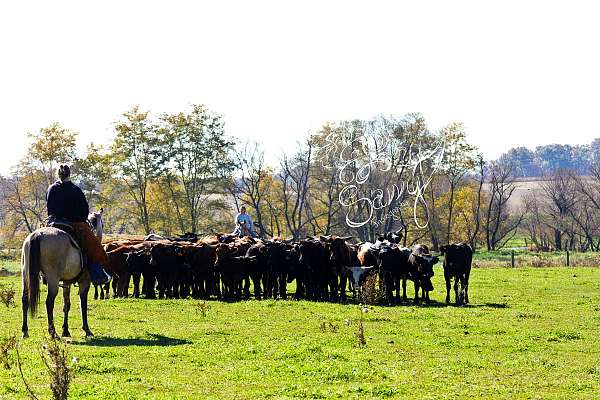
<point x="202" y="308"/>
<point x="373" y="290"/>
<point x="54" y="355"/>
<point x="360" y="332"/>
<point x="6" y="345"/>
<point x="328" y="326"/>
<point x="7" y="295"/>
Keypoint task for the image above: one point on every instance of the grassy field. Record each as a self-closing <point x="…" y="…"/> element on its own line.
<point x="529" y="333"/>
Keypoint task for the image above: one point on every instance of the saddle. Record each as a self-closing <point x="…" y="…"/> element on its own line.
<point x="67" y="227"/>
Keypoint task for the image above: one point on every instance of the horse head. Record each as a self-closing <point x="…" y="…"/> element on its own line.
<point x="97" y="223"/>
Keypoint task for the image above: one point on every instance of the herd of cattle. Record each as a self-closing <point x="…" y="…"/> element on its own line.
<point x="325" y="268"/>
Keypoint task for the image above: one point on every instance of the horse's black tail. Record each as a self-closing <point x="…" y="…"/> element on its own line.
<point x="33" y="268"/>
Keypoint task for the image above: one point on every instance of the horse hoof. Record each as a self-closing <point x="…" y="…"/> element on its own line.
<point x="25" y="335"/>
<point x="66" y="334"/>
<point x="88" y="334"/>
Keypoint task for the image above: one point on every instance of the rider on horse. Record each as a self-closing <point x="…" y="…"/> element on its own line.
<point x="66" y="201"/>
<point x="243" y="224"/>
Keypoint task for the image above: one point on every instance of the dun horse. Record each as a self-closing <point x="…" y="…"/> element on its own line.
<point x="53" y="253"/>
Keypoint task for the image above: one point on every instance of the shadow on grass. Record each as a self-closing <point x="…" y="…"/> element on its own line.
<point x="487" y="305"/>
<point x="152" y="340"/>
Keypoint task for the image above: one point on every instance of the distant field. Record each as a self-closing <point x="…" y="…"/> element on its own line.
<point x="524" y="187"/>
<point x="529" y="333"/>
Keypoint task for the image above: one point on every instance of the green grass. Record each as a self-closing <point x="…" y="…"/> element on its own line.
<point x="529" y="333"/>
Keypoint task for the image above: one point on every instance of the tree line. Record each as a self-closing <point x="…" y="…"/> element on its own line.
<point x="547" y="159"/>
<point x="180" y="172"/>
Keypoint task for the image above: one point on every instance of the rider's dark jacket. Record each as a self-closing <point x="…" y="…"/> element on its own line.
<point x="66" y="200"/>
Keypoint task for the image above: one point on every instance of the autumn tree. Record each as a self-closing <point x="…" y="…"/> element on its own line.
<point x="458" y="160"/>
<point x="24" y="192"/>
<point x="134" y="154"/>
<point x="197" y="154"/>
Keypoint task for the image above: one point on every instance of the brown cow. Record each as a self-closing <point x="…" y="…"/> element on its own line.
<point x="341" y="255"/>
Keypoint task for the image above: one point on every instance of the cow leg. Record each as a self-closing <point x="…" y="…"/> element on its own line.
<point x="247" y="287"/>
<point x="404" y="298"/>
<point x="467" y="287"/>
<point x="283" y="286"/>
<point x="52" y="292"/>
<point x="463" y="289"/>
<point x="256" y="283"/>
<point x="123" y="288"/>
<point x="343" y="284"/>
<point x="299" y="289"/>
<point x="456" y="296"/>
<point x="447" y="278"/>
<point x="84" y="287"/>
<point x="417" y="287"/>
<point x="389" y="288"/>
<point x="333" y="287"/>
<point x="136" y="284"/>
<point x="115" y="284"/>
<point x="95" y="292"/>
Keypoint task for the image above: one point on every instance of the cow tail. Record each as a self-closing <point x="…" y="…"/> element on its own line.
<point x="32" y="268"/>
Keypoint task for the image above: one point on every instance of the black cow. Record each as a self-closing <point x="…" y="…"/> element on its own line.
<point x="421" y="264"/>
<point x="171" y="270"/>
<point x="320" y="275"/>
<point x="201" y="259"/>
<point x="278" y="263"/>
<point x="341" y="255"/>
<point x="257" y="270"/>
<point x="393" y="267"/>
<point x="457" y="265"/>
<point x="296" y="270"/>
<point x="138" y="264"/>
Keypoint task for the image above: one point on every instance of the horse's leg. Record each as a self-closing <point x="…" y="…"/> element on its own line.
<point x="66" y="308"/>
<point x="52" y="292"/>
<point x="25" y="303"/>
<point x="84" y="287"/>
<point x="95" y="292"/>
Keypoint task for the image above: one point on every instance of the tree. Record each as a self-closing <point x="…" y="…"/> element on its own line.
<point x="197" y="154"/>
<point x="500" y="224"/>
<point x="253" y="182"/>
<point x="561" y="197"/>
<point x="294" y="176"/>
<point x="134" y="154"/>
<point x="458" y="160"/>
<point x="24" y="193"/>
<point x="51" y="146"/>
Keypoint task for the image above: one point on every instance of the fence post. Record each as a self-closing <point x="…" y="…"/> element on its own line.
<point x="567" y="257"/>
<point x="512" y="258"/>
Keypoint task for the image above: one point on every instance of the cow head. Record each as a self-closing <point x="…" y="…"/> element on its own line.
<point x="424" y="264"/>
<point x="339" y="250"/>
<point x="394" y="237"/>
